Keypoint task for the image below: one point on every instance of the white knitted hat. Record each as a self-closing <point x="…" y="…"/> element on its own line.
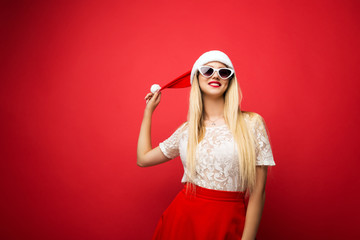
<point x="211" y="56"/>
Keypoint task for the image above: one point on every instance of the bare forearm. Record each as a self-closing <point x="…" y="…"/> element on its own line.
<point x="253" y="216"/>
<point x="144" y="141"/>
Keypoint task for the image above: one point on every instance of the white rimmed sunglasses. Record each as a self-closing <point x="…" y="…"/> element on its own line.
<point x="224" y="73"/>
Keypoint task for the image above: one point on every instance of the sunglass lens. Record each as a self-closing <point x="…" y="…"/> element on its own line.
<point x="224" y="73"/>
<point x="206" y="71"/>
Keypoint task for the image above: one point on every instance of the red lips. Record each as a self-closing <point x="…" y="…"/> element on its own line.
<point x="214" y="84"/>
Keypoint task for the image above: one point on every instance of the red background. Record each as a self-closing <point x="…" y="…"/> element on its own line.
<point x="73" y="78"/>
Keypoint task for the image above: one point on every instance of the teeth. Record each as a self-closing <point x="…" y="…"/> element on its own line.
<point x="215" y="84"/>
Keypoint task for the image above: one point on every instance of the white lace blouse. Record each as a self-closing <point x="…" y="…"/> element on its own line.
<point x="217" y="164"/>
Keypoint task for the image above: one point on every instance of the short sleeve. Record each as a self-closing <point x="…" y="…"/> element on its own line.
<point x="263" y="150"/>
<point x="170" y="147"/>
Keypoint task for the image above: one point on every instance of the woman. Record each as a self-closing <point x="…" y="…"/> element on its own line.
<point x="225" y="153"/>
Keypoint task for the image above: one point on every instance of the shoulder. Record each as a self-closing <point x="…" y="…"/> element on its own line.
<point x="182" y="127"/>
<point x="254" y="121"/>
<point x="252" y="116"/>
<point x="184" y="124"/>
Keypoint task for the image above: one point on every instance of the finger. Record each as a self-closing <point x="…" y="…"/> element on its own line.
<point x="156" y="99"/>
<point x="154" y="95"/>
<point x="153" y="98"/>
<point x="148" y="95"/>
<point x="148" y="98"/>
<point x="158" y="94"/>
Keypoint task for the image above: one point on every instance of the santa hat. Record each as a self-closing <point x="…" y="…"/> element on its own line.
<point x="186" y="79"/>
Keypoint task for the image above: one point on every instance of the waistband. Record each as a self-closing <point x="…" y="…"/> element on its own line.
<point x="215" y="194"/>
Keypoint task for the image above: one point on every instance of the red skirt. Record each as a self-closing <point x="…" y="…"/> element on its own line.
<point x="208" y="214"/>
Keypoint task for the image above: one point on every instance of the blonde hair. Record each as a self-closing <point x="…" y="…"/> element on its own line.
<point x="234" y="118"/>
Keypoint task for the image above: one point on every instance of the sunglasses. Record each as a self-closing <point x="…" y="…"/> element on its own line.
<point x="224" y="73"/>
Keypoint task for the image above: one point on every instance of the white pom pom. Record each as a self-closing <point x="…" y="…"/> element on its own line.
<point x="154" y="88"/>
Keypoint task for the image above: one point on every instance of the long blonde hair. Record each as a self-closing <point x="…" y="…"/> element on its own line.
<point x="234" y="118"/>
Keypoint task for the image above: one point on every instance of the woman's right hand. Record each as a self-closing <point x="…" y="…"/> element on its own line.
<point x="152" y="100"/>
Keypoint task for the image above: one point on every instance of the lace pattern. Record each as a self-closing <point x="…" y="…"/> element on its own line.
<point x="217" y="166"/>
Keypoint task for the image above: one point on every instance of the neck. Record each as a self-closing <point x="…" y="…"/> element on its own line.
<point x="213" y="107"/>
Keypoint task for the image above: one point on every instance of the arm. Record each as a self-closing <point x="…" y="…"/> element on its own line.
<point x="146" y="156"/>
<point x="255" y="205"/>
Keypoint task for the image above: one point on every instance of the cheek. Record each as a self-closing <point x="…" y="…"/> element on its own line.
<point x="202" y="82"/>
<point x="226" y="85"/>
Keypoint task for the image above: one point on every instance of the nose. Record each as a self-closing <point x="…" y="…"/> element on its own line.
<point x="215" y="75"/>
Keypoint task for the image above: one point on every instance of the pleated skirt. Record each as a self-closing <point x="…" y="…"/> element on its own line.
<point x="206" y="215"/>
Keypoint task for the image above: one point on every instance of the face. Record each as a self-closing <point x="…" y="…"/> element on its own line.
<point x="213" y="86"/>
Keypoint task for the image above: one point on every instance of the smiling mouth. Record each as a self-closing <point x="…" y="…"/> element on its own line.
<point x="214" y="84"/>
